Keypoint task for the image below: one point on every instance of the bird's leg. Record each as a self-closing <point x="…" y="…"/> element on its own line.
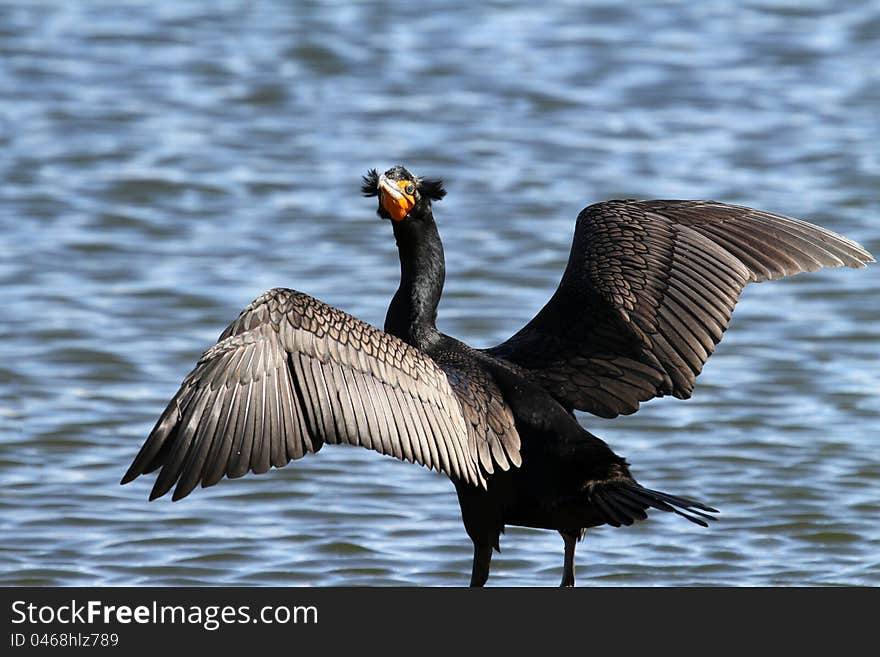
<point x="482" y="559"/>
<point x="571" y="538"/>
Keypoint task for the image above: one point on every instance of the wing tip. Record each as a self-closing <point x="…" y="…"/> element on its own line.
<point x="130" y="475"/>
<point x="163" y="484"/>
<point x="179" y="493"/>
<point x="865" y="258"/>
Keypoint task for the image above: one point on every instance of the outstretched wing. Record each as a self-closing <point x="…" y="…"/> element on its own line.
<point x="648" y="292"/>
<point x="292" y="373"/>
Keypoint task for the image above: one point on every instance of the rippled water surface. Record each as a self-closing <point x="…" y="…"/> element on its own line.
<point x="163" y="163"/>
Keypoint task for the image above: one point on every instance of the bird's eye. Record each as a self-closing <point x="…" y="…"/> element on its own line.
<point x="409" y="189"/>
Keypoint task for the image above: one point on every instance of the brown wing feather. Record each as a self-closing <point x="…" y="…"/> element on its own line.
<point x="291" y="374"/>
<point x="492" y="437"/>
<point x="648" y="292"/>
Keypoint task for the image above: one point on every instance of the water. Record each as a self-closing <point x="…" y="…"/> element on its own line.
<point x="164" y="163"/>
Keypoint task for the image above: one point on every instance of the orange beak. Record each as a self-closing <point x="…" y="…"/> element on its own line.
<point x="394" y="199"/>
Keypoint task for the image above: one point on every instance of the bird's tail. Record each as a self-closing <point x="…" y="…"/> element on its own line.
<point x="625" y="502"/>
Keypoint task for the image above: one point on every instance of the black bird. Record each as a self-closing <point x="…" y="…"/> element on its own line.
<point x="647" y="294"/>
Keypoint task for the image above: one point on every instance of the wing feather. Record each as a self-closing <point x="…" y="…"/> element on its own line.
<point x="648" y="292"/>
<point x="195" y="464"/>
<point x="292" y="373"/>
<point x="276" y="423"/>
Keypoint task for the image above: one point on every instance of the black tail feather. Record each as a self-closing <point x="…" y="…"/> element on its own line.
<point x="613" y="514"/>
<point x="628" y="506"/>
<point x="622" y="503"/>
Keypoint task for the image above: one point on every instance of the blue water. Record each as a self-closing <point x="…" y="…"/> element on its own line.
<point x="163" y="163"/>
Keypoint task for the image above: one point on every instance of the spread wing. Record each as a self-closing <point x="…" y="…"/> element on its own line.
<point x="648" y="292"/>
<point x="292" y="373"/>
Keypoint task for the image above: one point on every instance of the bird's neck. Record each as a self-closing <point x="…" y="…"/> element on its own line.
<point x="412" y="315"/>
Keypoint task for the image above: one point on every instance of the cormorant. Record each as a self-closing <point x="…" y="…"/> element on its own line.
<point x="647" y="294"/>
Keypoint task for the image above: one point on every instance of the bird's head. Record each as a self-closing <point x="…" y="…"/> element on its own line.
<point x="402" y="196"/>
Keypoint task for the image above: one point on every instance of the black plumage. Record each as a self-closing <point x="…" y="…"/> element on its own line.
<point x="647" y="294"/>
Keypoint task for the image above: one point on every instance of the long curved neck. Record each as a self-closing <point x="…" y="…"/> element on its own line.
<point x="412" y="315"/>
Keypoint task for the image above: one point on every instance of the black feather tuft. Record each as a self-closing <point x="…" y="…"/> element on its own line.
<point x="432" y="188"/>
<point x="370" y="184"/>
